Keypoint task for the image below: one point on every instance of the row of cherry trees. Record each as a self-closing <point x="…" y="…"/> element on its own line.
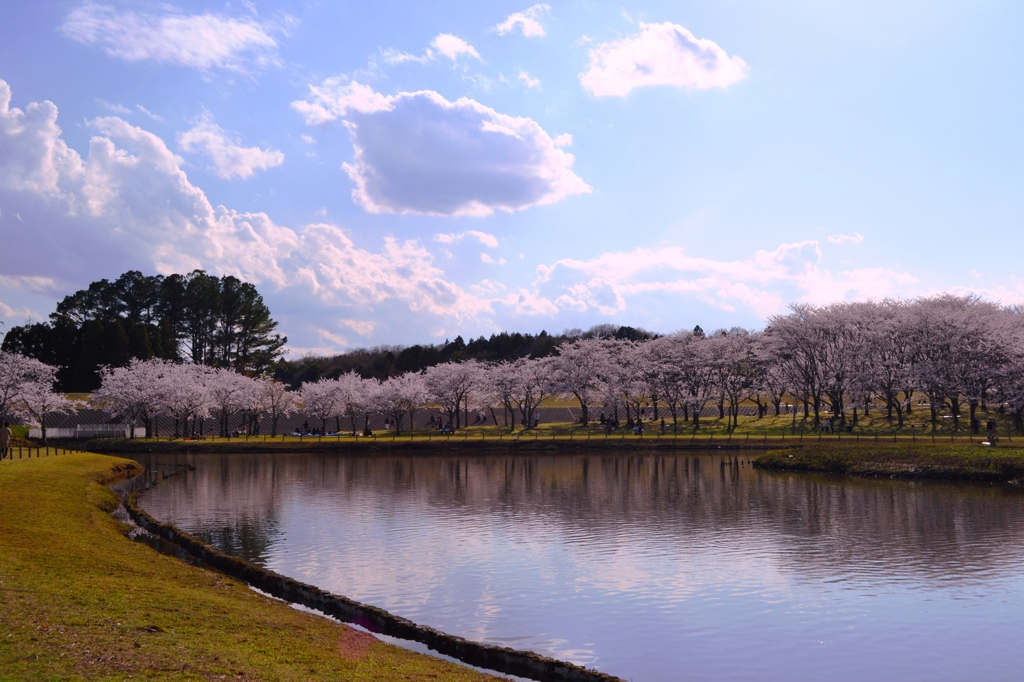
<point x="954" y="353"/>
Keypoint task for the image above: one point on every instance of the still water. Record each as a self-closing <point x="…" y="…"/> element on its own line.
<point x="655" y="567"/>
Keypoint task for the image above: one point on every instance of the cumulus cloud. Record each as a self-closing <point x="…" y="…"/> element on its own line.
<point x="444" y="44"/>
<point x="765" y="282"/>
<point x="337" y="97"/>
<point x="230" y="159"/>
<point x="199" y="41"/>
<point x="661" y="54"/>
<point x="416" y="152"/>
<point x="528" y="20"/>
<point x="855" y="238"/>
<point x="128" y="204"/>
<point x="452" y="47"/>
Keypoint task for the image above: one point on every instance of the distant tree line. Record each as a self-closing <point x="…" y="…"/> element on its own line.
<point x="198" y="318"/>
<point x="383" y="362"/>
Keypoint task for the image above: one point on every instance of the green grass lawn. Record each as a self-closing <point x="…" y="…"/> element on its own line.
<point x="904" y="460"/>
<point x="78" y="600"/>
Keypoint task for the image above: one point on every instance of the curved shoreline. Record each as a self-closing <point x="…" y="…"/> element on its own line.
<point x="502" y="659"/>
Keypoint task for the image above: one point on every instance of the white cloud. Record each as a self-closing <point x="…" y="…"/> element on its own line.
<point x="361" y="327"/>
<point x="451" y="46"/>
<point x="7" y="312"/>
<point x="337" y="340"/>
<point x="199" y="41"/>
<point x="765" y="282"/>
<point x="661" y="54"/>
<point x="230" y="159"/>
<point x="528" y="20"/>
<point x="484" y="238"/>
<point x="855" y="238"/>
<point x="528" y="81"/>
<point x="35" y="285"/>
<point x="149" y="113"/>
<point x="444" y="44"/>
<point x="487" y="258"/>
<point x="337" y="97"/>
<point x="113" y="106"/>
<point x="128" y="204"/>
<point x="416" y="152"/>
<point x="393" y="56"/>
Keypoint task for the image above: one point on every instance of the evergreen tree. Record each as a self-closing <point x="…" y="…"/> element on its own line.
<point x="208" y="320"/>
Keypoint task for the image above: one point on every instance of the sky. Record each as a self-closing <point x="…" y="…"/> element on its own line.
<point x="405" y="172"/>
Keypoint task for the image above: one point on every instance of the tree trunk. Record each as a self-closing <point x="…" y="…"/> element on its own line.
<point x="583" y="409"/>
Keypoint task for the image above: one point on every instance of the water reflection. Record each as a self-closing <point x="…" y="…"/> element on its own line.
<point x="651" y="567"/>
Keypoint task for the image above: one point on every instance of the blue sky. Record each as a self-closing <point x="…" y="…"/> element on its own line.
<point x="397" y="172"/>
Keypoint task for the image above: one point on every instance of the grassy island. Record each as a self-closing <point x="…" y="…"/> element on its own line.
<point x="78" y="600"/>
<point x="901" y="460"/>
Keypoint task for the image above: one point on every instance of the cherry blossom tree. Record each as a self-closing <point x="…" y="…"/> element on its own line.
<point x="450" y="383"/>
<point x="132" y="393"/>
<point x="320" y="400"/>
<point x="796" y="344"/>
<point x="36" y="400"/>
<point x="502" y="382"/>
<point x="401" y="395"/>
<point x="958" y="354"/>
<point x="579" y="368"/>
<point x="228" y="395"/>
<point x="186" y="396"/>
<point x="16" y="373"/>
<point x="535" y="384"/>
<point x="276" y="401"/>
<point x="732" y="357"/>
<point x="888" y="351"/>
<point x="667" y="360"/>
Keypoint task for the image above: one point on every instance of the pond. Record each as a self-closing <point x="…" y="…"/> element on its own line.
<point x="650" y="567"/>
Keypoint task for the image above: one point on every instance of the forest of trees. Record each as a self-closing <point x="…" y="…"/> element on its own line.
<point x="382" y="362"/>
<point x="198" y="317"/>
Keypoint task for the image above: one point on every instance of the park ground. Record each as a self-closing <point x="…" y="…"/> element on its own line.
<point x="767" y="431"/>
<point x="78" y="600"/>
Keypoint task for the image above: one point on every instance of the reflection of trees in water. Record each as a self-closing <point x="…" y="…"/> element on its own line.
<point x="229" y="502"/>
<point x="815" y="525"/>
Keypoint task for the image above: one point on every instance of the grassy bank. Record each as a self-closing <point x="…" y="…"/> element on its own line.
<point x="80" y="601"/>
<point x="902" y="460"/>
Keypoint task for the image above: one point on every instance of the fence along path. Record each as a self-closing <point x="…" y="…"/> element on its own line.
<point x="53" y="449"/>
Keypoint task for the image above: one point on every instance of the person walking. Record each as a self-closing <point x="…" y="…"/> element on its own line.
<point x="5" y="440"/>
<point x="993" y="432"/>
